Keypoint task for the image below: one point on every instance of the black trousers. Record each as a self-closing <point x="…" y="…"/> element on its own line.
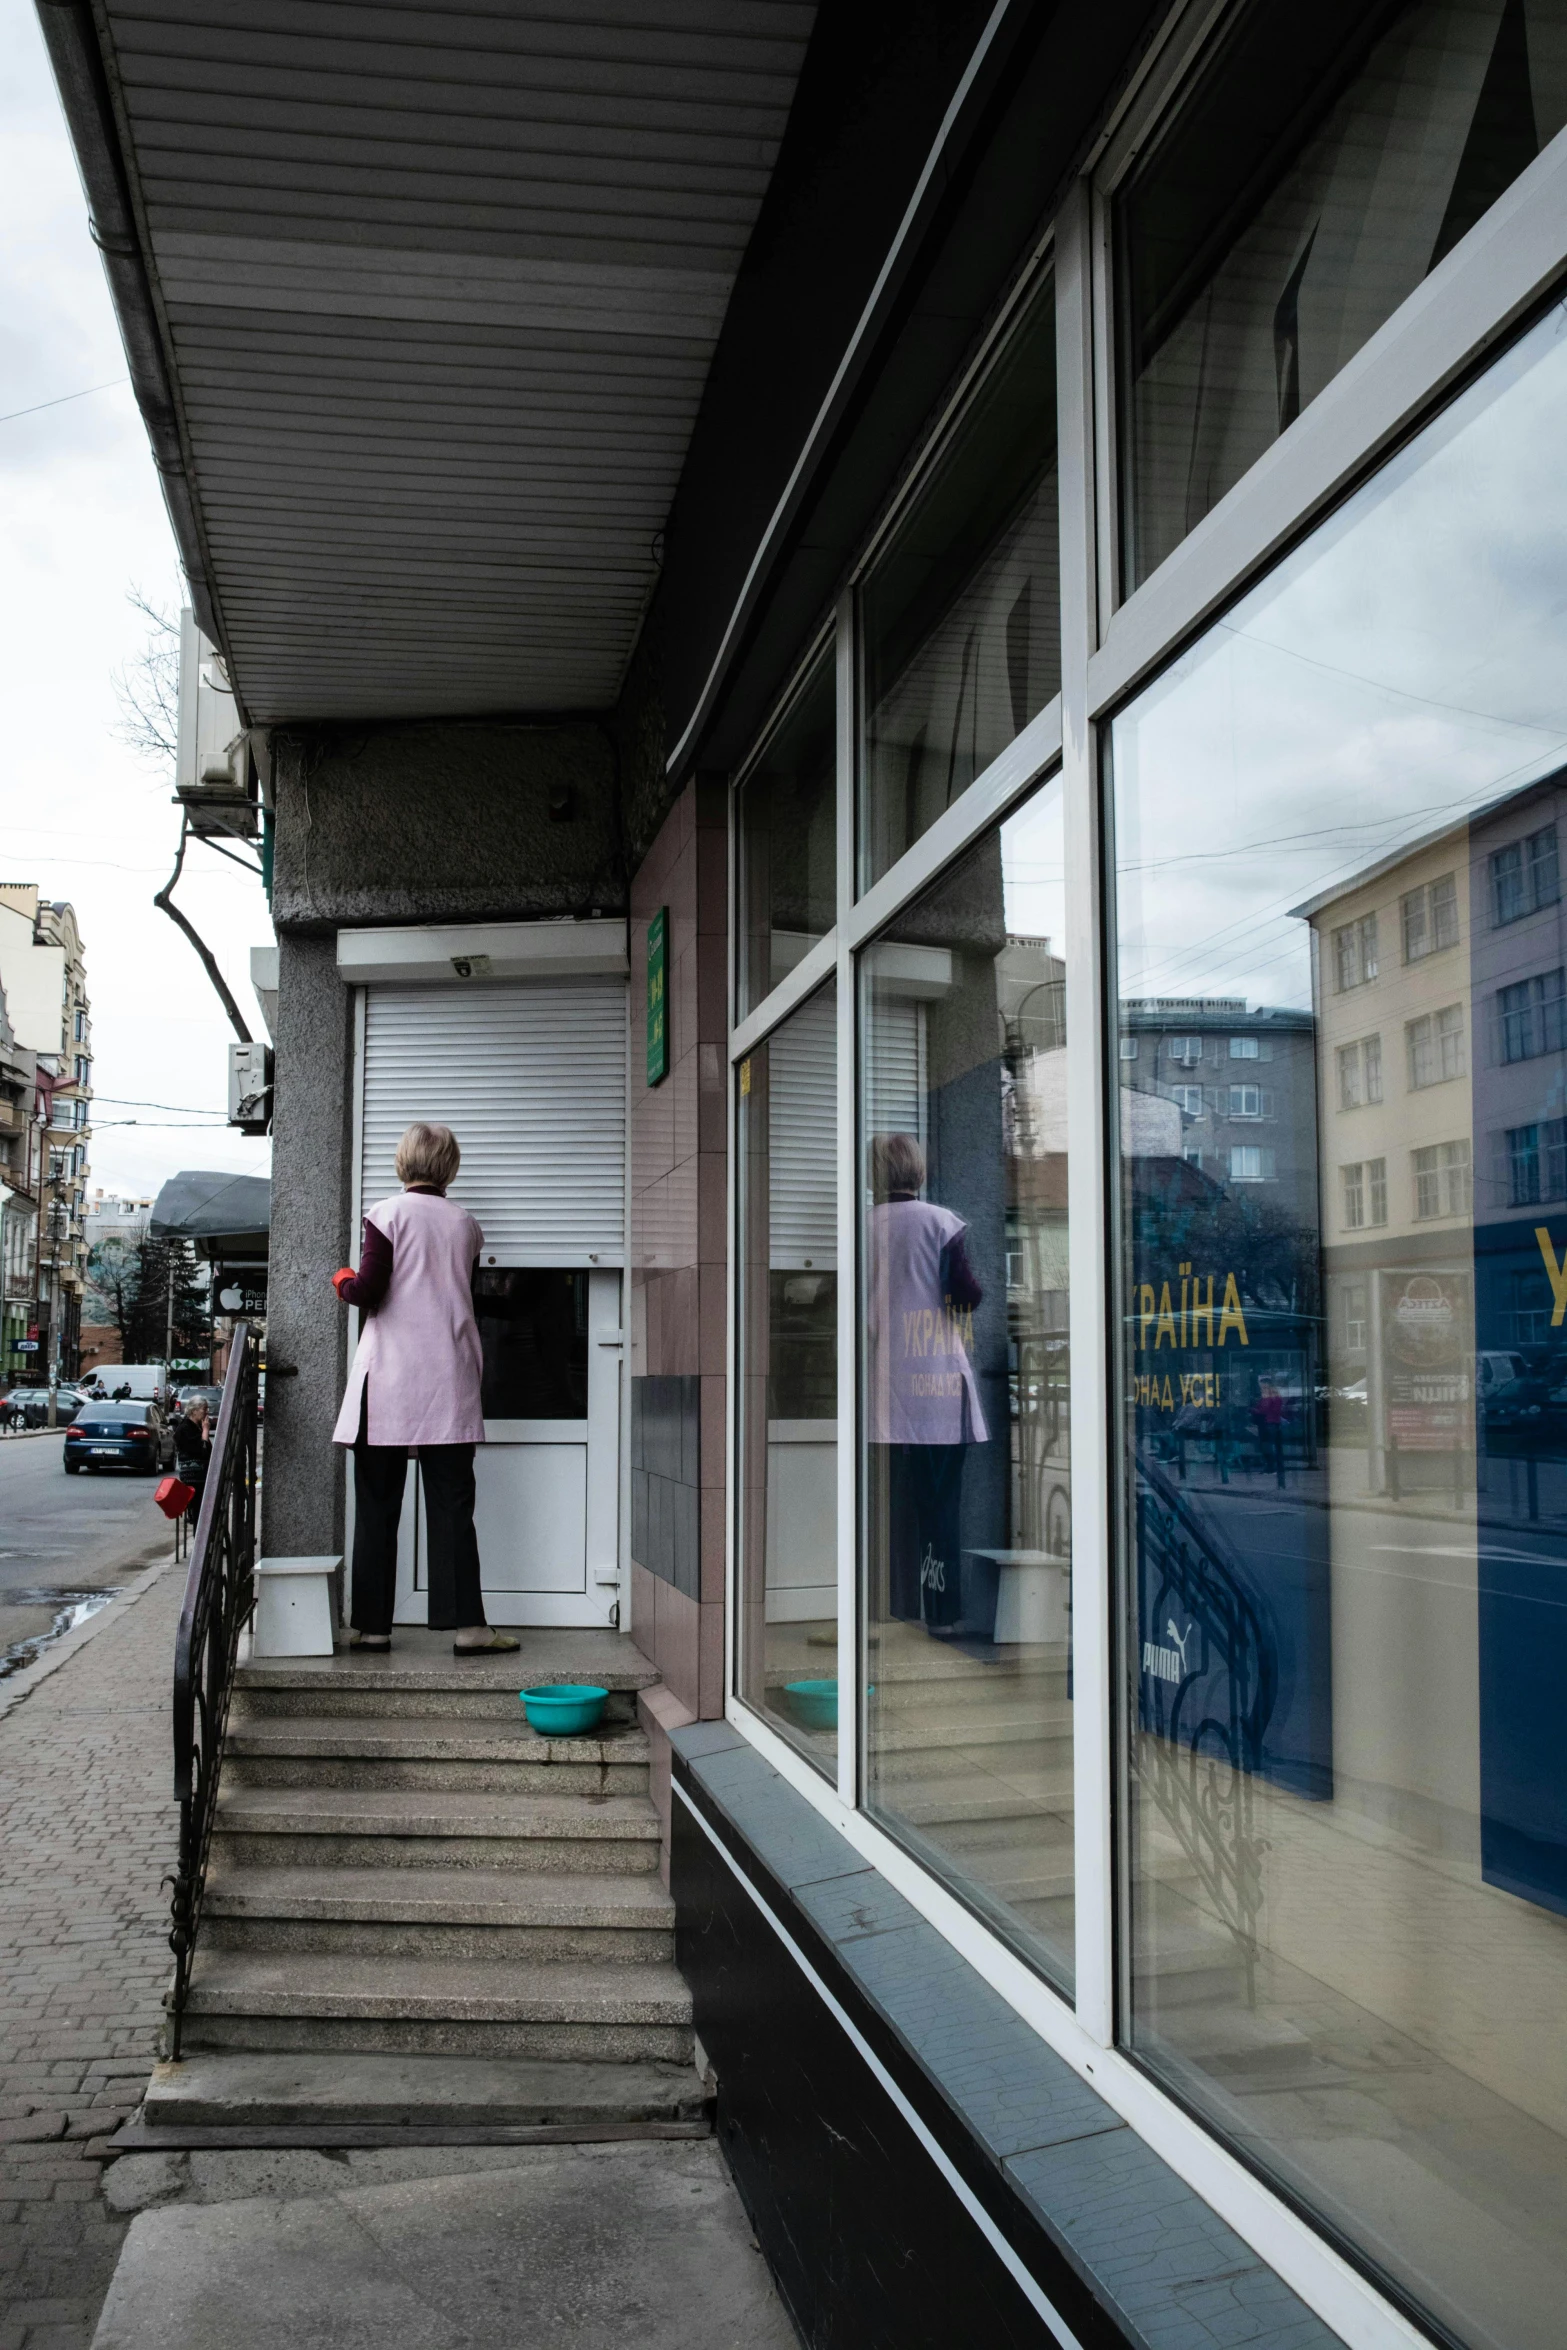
<point x="446" y="1473"/>
<point x="924" y="1491"/>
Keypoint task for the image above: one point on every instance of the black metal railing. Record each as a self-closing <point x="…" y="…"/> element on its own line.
<point x="1208" y="1720"/>
<point x="219" y="1594"/>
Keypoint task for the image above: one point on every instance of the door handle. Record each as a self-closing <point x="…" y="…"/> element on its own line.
<point x="615" y="1338"/>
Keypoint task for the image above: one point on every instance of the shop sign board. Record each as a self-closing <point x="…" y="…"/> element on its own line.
<point x="658" y="997"/>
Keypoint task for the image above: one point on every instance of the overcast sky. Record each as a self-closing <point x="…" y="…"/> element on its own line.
<point x="81" y="522"/>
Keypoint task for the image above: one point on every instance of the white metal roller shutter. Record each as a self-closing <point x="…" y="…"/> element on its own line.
<point x="895" y="1071"/>
<point x="802" y="1063"/>
<point x="802" y="1067"/>
<point x="530" y="1075"/>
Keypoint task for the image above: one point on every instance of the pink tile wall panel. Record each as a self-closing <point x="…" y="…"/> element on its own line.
<point x="679" y="1206"/>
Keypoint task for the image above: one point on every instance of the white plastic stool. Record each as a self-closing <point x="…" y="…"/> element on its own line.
<point x="294" y="1606"/>
<point x="1031" y="1601"/>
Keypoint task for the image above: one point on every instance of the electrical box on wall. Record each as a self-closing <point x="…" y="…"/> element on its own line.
<point x="250" y="1087"/>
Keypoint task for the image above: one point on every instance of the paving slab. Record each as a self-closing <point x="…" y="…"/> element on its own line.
<point x="570" y="2250"/>
<point x="89" y="1828"/>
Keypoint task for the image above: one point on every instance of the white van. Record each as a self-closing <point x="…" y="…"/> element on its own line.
<point x="148" y="1382"/>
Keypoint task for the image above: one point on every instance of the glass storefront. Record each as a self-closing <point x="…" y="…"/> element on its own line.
<point x="787" y="1367"/>
<point x="1324" y="164"/>
<point x="967" y="1489"/>
<point x="1343" y="1280"/>
<point x="960" y="613"/>
<point x="1324" y="1827"/>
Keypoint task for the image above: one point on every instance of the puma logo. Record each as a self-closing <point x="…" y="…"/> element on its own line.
<point x="1169" y="1664"/>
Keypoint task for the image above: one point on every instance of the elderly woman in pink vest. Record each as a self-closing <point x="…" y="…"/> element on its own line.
<point x="414" y="1385"/>
<point x="923" y="1404"/>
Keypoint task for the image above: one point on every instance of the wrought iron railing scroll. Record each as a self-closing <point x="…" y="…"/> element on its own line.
<point x="1203" y="1732"/>
<point x="219" y="1595"/>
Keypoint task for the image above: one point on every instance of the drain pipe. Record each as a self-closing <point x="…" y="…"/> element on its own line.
<point x="71" y="39"/>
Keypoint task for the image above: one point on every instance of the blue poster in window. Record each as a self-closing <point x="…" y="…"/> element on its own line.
<point x="1223" y="1351"/>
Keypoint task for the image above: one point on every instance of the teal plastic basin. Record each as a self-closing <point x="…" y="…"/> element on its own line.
<point x="813" y="1704"/>
<point x="564" y="1709"/>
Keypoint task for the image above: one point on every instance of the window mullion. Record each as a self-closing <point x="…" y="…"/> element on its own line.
<point x="849" y="1675"/>
<point x="1092" y="1571"/>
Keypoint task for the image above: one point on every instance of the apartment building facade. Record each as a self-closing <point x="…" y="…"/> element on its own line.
<point x="44" y="975"/>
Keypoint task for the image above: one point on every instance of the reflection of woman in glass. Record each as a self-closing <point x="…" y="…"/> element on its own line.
<point x="923" y="1402"/>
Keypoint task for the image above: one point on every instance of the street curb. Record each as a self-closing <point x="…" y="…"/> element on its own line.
<point x="61" y="1651"/>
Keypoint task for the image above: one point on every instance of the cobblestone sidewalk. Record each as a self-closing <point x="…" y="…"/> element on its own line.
<point x="88" y="1828"/>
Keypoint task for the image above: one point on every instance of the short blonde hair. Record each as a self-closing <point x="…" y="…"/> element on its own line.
<point x="428" y="1154"/>
<point x="897" y="1164"/>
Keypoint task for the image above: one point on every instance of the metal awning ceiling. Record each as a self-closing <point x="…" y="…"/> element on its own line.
<point x="439" y="287"/>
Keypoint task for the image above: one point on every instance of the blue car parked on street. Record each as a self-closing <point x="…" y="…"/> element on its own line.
<point x="119" y="1436"/>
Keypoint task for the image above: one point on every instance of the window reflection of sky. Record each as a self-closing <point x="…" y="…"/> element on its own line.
<point x="1404" y="669"/>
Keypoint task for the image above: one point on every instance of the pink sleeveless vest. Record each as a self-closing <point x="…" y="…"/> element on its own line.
<point x="419" y="1352"/>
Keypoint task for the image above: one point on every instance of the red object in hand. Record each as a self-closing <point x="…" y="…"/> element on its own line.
<point x="173" y="1496"/>
<point x="343" y="1273"/>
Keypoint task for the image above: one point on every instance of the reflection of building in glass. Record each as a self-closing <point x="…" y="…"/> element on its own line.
<point x="1394" y="1054"/>
<point x="1520" y="1104"/>
<point x="1444" y="1176"/>
<point x="1242" y="1081"/>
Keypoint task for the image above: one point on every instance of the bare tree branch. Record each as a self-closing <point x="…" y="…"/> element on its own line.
<point x="164" y="900"/>
<point x="147" y="686"/>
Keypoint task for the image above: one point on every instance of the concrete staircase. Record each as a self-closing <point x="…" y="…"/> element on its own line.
<point x="415" y="1898"/>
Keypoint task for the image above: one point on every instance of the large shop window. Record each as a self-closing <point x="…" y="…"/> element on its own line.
<point x="1326" y="162"/>
<point x="960" y="614"/>
<point x="1345" y="1369"/>
<point x="788" y="1367"/>
<point x="787" y="828"/>
<point x="967" y="1488"/>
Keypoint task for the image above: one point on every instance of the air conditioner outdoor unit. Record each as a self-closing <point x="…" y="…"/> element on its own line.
<point x="250" y="1087"/>
<point x="214" y="772"/>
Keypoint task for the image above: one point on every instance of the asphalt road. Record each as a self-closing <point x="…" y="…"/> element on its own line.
<point x="66" y="1534"/>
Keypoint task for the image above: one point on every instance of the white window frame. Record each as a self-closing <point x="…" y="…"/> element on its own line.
<point x="1110" y="647"/>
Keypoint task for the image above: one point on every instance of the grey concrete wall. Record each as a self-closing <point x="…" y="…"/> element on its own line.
<point x="302" y="1498"/>
<point x="446" y="822"/>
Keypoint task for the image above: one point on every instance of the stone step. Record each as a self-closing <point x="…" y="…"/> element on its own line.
<point x="418" y="2005"/>
<point x="316" y="1827"/>
<point x="419" y="1675"/>
<point x="441" y="1913"/>
<point x="958" y="1677"/>
<point x="982" y="1813"/>
<point x="903" y="1729"/>
<point x="299" y="2091"/>
<point x="426" y="1752"/>
<point x="1036" y="1769"/>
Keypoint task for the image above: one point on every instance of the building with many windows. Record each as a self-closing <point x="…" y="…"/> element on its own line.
<point x="43" y="973"/>
<point x="827" y="649"/>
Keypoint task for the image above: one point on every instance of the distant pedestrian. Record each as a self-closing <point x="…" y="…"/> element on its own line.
<point x="1268" y="1416"/>
<point x="193" y="1449"/>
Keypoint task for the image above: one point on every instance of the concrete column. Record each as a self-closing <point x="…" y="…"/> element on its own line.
<point x="302" y="1499"/>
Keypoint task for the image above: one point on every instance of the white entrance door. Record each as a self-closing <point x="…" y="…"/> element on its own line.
<point x="531" y="1078"/>
<point x="547" y="1512"/>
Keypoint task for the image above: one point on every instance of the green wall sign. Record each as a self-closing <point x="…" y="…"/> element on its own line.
<point x="658" y="997"/>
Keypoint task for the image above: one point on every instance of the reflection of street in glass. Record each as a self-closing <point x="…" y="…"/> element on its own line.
<point x="1343" y="1060"/>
